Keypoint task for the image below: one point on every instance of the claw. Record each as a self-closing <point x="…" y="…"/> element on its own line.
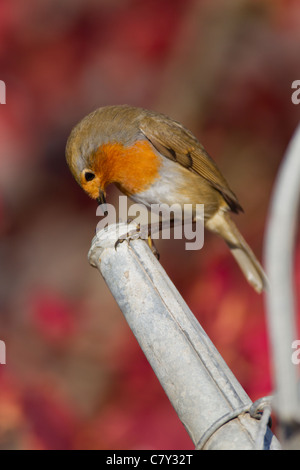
<point x="118" y="242"/>
<point x="142" y="233"/>
<point x="132" y="235"/>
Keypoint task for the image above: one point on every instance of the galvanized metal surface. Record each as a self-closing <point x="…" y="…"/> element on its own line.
<point x="281" y="297"/>
<point x="207" y="397"/>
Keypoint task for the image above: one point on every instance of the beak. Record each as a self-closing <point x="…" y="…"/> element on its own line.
<point x="101" y="198"/>
<point x="102" y="201"/>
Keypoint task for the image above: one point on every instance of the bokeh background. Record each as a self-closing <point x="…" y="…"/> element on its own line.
<point x="75" y="377"/>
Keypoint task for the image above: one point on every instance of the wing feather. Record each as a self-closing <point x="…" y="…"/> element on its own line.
<point x="177" y="143"/>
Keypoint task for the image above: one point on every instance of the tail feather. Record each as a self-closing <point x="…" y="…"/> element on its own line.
<point x="222" y="224"/>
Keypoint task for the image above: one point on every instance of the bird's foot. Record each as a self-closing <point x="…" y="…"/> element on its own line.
<point x="139" y="232"/>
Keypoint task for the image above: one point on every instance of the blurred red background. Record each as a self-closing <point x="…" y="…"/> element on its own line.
<point x="75" y="377"/>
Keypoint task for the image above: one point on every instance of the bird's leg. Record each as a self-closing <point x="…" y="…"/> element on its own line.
<point x="153" y="247"/>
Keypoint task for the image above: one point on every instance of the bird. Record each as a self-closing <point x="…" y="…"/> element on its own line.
<point x="153" y="159"/>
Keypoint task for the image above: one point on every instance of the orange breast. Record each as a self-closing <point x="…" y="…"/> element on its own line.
<point x="133" y="168"/>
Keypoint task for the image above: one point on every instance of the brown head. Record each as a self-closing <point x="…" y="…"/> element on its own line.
<point x="107" y="147"/>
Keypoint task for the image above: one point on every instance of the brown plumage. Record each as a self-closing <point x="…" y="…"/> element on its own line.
<point x="154" y="159"/>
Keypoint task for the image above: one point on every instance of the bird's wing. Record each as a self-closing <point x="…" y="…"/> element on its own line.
<point x="177" y="143"/>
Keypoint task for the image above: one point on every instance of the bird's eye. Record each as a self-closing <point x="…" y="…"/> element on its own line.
<point x="89" y="176"/>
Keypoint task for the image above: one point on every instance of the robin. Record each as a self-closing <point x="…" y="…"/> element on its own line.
<point x="154" y="160"/>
